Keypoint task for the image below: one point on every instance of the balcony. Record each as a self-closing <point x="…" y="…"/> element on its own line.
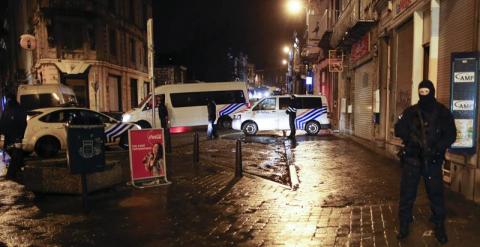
<point x="356" y="19"/>
<point x="326" y="29"/>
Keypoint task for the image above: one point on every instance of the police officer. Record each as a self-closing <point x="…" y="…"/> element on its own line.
<point x="427" y="129"/>
<point x="292" y="115"/>
<point x="12" y="125"/>
<point x="163" y="115"/>
<point x="212" y="116"/>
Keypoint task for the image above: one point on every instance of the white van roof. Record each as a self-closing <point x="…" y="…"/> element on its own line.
<point x="199" y="87"/>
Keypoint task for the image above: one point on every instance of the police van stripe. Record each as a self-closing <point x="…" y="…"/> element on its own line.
<point x="117" y="130"/>
<point x="114" y="127"/>
<point x="309" y="115"/>
<point x="230" y="108"/>
<point x="120" y="133"/>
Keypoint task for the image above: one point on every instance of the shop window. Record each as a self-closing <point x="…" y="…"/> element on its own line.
<point x="133" y="54"/>
<point x="113" y="42"/>
<point x="134" y="92"/>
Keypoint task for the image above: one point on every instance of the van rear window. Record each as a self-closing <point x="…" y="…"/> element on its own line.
<point x="200" y="98"/>
<point x="35" y="101"/>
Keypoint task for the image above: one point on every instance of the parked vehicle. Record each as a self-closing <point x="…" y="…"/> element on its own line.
<point x="269" y="114"/>
<point x="45" y="95"/>
<point x="46" y="134"/>
<point x="186" y="104"/>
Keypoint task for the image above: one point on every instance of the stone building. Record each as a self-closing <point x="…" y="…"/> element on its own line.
<point x="172" y="74"/>
<point x="97" y="47"/>
<point x="386" y="47"/>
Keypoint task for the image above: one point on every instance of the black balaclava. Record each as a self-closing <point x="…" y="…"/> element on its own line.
<point x="427" y="102"/>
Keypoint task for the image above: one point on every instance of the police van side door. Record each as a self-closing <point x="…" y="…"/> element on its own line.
<point x="265" y="114"/>
<point x="283" y="103"/>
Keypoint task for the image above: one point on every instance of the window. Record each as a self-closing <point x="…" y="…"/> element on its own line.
<point x="94" y="118"/>
<point x="70" y="34"/>
<point x="35" y="101"/>
<point x="133" y="55"/>
<point x="200" y="98"/>
<point x="134" y="92"/>
<point x="113" y="42"/>
<point x="266" y="105"/>
<point x="91" y="37"/>
<point x="63" y="116"/>
<point x="112" y="6"/>
<point x="310" y="102"/>
<point x="132" y="11"/>
<point x="284" y="102"/>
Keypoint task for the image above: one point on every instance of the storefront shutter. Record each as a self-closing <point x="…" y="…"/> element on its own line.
<point x="363" y="126"/>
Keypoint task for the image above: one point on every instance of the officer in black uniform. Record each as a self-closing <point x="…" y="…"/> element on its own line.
<point x="163" y="114"/>
<point x="12" y="125"/>
<point x="292" y="115"/>
<point x="427" y="129"/>
<point x="212" y="116"/>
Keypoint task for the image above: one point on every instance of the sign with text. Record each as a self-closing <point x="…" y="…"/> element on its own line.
<point x="464" y="100"/>
<point x="361" y="48"/>
<point x="335" y="61"/>
<point x="147" y="159"/>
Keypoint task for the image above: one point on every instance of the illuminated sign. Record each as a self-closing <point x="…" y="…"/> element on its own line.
<point x="463" y="101"/>
<point x="309" y="80"/>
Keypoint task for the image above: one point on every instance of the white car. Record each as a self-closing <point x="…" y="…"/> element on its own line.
<point x="46" y="134"/>
<point x="270" y="114"/>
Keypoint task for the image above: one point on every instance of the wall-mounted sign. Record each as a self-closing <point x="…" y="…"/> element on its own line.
<point x="361" y="48"/>
<point x="464" y="100"/>
<point x="28" y="42"/>
<point x="335" y="61"/>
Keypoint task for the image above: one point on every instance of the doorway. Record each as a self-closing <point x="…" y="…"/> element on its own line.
<point x="114" y="92"/>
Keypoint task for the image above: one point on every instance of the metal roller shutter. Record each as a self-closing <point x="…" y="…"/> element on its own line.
<point x="363" y="126"/>
<point x="456" y="35"/>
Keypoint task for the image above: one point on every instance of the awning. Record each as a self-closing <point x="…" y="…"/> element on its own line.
<point x="72" y="67"/>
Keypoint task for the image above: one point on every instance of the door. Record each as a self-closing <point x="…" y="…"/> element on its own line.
<point x="265" y="114"/>
<point x="80" y="88"/>
<point x="282" y="115"/>
<point x="363" y="107"/>
<point x="114" y="94"/>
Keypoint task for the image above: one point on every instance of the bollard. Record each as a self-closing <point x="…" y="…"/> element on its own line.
<point x="238" y="160"/>
<point x="196" y="150"/>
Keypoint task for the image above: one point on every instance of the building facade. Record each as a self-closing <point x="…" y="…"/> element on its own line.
<point x="386" y="48"/>
<point x="97" y="47"/>
<point x="170" y="75"/>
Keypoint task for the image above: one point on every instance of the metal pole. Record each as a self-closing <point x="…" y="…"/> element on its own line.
<point x="238" y="160"/>
<point x="151" y="65"/>
<point x="196" y="150"/>
<point x="84" y="191"/>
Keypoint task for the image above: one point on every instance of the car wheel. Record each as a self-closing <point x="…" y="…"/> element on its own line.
<point x="144" y="125"/>
<point x="312" y="128"/>
<point x="225" y="123"/>
<point x="250" y="128"/>
<point x="123" y="141"/>
<point x="47" y="147"/>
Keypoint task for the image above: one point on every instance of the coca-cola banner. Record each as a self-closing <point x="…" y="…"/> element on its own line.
<point x="147" y="154"/>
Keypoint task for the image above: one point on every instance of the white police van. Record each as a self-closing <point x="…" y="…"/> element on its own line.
<point x="270" y="114"/>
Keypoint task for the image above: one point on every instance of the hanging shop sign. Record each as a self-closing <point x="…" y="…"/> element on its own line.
<point x="335" y="61"/>
<point x="464" y="100"/>
<point x="147" y="157"/>
<point x="401" y="5"/>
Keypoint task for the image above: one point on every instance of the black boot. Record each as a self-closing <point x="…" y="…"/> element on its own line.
<point x="440" y="233"/>
<point x="403" y="231"/>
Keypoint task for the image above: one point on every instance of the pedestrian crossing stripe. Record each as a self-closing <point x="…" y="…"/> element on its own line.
<point x="308" y="115"/>
<point x="116" y="130"/>
<point x="229" y="109"/>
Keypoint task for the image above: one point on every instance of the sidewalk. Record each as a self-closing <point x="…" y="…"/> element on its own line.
<point x="340" y="201"/>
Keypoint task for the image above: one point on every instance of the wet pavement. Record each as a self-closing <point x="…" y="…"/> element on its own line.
<point x="347" y="196"/>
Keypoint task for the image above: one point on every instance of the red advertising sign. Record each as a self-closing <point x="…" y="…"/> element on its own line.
<point x="147" y="159"/>
<point x="361" y="48"/>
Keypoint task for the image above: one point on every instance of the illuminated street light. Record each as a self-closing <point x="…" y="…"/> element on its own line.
<point x="286" y="49"/>
<point x="294" y="7"/>
<point x="284" y="62"/>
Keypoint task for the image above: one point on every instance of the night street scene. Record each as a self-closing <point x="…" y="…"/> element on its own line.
<point x="239" y="123"/>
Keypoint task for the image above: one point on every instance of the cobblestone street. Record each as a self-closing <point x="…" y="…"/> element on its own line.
<point x="347" y="196"/>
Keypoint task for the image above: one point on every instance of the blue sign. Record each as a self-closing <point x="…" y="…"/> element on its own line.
<point x="464" y="100"/>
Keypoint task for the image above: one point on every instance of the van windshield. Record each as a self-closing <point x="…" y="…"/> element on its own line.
<point x="35" y="101"/>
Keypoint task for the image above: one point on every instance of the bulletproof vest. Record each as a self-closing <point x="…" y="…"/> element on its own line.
<point x="431" y="125"/>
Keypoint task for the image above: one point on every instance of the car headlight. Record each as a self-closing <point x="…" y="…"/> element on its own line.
<point x="126" y="118"/>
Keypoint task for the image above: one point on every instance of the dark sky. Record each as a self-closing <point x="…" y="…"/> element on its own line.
<point x="199" y="33"/>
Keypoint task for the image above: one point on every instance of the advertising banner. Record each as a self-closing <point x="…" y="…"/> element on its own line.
<point x="464" y="100"/>
<point x="147" y="157"/>
<point x="85" y="148"/>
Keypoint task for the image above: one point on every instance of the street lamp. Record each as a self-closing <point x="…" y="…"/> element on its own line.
<point x="284" y="62"/>
<point x="294" y="7"/>
<point x="286" y="49"/>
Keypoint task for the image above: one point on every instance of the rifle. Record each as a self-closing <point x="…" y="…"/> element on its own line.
<point x="425" y="151"/>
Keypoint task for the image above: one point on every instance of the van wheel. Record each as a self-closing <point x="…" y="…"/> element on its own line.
<point x="47" y="147"/>
<point x="144" y="124"/>
<point x="225" y="123"/>
<point x="123" y="143"/>
<point x="250" y="128"/>
<point x="312" y="128"/>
